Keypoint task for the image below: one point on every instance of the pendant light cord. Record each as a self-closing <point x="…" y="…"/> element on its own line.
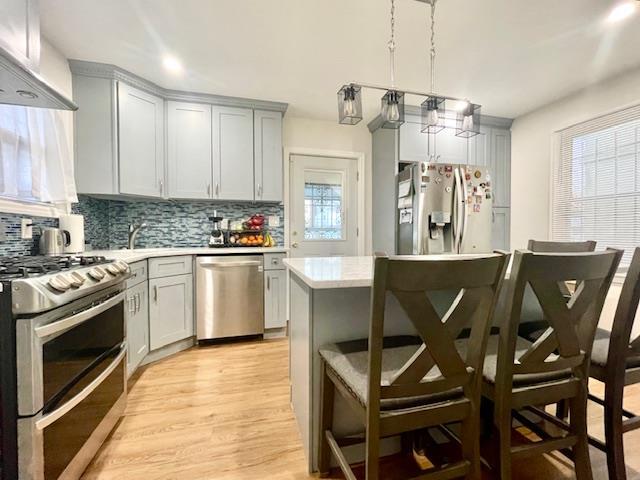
<point x="392" y="44"/>
<point x="433" y="46"/>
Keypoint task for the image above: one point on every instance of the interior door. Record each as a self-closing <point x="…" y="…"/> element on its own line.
<point x="324" y="206"/>
<point x="189" y="150"/>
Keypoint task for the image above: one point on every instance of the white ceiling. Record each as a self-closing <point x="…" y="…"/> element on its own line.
<point x="511" y="56"/>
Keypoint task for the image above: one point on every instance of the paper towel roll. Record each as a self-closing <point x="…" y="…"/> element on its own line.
<point x="74" y="224"/>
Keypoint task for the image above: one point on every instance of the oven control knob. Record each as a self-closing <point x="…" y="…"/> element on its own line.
<point x="113" y="269"/>
<point x="97" y="273"/>
<point x="121" y="265"/>
<point x="60" y="282"/>
<point x="76" y="279"/>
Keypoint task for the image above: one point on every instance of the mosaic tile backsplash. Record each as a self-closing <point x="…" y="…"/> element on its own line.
<point x="170" y="223"/>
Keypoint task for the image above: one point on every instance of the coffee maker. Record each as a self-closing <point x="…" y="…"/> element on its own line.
<point x="217" y="235"/>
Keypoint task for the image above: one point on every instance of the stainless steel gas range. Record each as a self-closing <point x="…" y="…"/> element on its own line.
<point x="62" y="362"/>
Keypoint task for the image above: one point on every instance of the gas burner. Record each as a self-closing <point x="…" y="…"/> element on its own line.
<point x="32" y="266"/>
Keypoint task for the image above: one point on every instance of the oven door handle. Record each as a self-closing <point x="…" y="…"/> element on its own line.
<point x="70" y="322"/>
<point x="84" y="393"/>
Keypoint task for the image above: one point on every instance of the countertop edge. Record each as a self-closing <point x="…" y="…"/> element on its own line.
<point x="132" y="256"/>
<point x="325" y="284"/>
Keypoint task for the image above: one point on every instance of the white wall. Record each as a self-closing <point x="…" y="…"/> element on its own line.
<point x="327" y="135"/>
<point x="531" y="150"/>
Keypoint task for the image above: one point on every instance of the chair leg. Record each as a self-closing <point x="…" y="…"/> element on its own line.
<point x="578" y="423"/>
<point x="613" y="433"/>
<point x="326" y="422"/>
<point x="471" y="444"/>
<point x="503" y="424"/>
<point x="372" y="454"/>
<point x="562" y="410"/>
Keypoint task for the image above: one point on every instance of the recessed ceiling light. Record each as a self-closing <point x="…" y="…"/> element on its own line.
<point x="172" y="64"/>
<point x="622" y="11"/>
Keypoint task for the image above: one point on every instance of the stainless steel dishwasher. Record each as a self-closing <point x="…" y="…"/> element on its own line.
<point x="229" y="296"/>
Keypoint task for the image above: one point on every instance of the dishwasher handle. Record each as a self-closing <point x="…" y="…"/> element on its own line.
<point x="213" y="263"/>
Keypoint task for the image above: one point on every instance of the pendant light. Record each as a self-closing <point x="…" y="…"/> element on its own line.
<point x="434" y="113"/>
<point x="433" y="109"/>
<point x="392" y="102"/>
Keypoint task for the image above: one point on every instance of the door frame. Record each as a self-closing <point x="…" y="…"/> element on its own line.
<point x="361" y="186"/>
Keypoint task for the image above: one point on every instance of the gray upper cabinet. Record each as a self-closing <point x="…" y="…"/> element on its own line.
<point x="20" y="30"/>
<point x="96" y="135"/>
<point x="189" y="152"/>
<point x="414" y="145"/>
<point x="268" y="156"/>
<point x="141" y="142"/>
<point x="233" y="153"/>
<point x="500" y="166"/>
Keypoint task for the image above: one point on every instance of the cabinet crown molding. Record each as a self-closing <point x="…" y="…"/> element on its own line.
<point x="113" y="72"/>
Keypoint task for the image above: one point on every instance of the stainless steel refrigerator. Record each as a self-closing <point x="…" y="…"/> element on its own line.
<point x="444" y="208"/>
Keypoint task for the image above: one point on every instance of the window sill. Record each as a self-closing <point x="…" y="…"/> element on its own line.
<point x="33" y="208"/>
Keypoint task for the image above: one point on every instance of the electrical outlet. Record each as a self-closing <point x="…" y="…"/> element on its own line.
<point x="274" y="221"/>
<point x="26" y="229"/>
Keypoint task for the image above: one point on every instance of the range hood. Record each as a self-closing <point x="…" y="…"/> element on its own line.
<point x="19" y="85"/>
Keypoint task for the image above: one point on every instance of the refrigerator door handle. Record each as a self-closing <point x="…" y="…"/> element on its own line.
<point x="456" y="211"/>
<point x="465" y="206"/>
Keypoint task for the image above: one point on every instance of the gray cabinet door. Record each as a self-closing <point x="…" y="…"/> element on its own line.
<point x="500" y="166"/>
<point x="96" y="135"/>
<point x="189" y="150"/>
<point x="275" y="298"/>
<point x="141" y="142"/>
<point x="414" y="145"/>
<point x="170" y="310"/>
<point x="233" y="175"/>
<point x="500" y="228"/>
<point x="137" y="318"/>
<point x="268" y="155"/>
<point x="20" y="30"/>
<point x="448" y="148"/>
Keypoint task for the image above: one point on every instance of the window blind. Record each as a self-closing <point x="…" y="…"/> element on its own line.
<point x="596" y="182"/>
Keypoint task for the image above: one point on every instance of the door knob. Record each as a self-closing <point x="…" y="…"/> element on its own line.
<point x="294" y="245"/>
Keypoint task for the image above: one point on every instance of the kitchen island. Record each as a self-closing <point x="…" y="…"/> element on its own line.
<point x="329" y="302"/>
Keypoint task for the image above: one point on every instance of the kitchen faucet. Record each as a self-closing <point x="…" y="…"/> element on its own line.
<point x="133" y="233"/>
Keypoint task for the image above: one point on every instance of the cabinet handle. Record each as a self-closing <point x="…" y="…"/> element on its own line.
<point x="131" y="306"/>
<point x="161" y="187"/>
<point x="209" y="190"/>
<point x="268" y="283"/>
<point x="259" y="190"/>
<point x="217" y="189"/>
<point x="137" y="302"/>
<point x="155" y="293"/>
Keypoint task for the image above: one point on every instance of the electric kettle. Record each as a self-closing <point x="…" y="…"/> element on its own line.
<point x="53" y="241"/>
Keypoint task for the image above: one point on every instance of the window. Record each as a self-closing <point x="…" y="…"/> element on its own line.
<point x="323" y="204"/>
<point x="36" y="165"/>
<point x="596" y="182"/>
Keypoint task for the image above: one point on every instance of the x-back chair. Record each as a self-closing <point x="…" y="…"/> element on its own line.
<point x="555" y="367"/>
<point x="406" y="388"/>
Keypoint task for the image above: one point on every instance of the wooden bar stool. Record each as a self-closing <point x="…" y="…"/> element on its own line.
<point x="615" y="361"/>
<point x="396" y="388"/>
<point x="519" y="373"/>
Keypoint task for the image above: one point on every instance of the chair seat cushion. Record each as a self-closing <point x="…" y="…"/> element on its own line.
<point x="350" y="361"/>
<point x="600" y="351"/>
<point x="522" y="345"/>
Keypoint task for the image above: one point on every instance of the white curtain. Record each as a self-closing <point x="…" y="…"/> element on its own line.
<point x="35" y="156"/>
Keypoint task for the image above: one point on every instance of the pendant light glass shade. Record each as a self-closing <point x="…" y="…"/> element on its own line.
<point x="392" y="109"/>
<point x="349" y="104"/>
<point x="433" y="115"/>
<point x="468" y="121"/>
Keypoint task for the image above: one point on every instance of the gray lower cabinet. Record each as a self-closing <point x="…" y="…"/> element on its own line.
<point x="268" y="156"/>
<point x="232" y="153"/>
<point x="137" y="321"/>
<point x="189" y="150"/>
<point x="170" y="309"/>
<point x="140" y="142"/>
<point x="500" y="228"/>
<point x="275" y="298"/>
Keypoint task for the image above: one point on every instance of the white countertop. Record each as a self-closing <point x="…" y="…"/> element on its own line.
<point x="138" y="254"/>
<point x="342" y="272"/>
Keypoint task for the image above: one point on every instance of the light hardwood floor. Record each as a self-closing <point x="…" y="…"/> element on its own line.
<point x="222" y="412"/>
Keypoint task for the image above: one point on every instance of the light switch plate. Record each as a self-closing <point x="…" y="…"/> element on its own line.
<point x="274" y="221"/>
<point x="26" y="228"/>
